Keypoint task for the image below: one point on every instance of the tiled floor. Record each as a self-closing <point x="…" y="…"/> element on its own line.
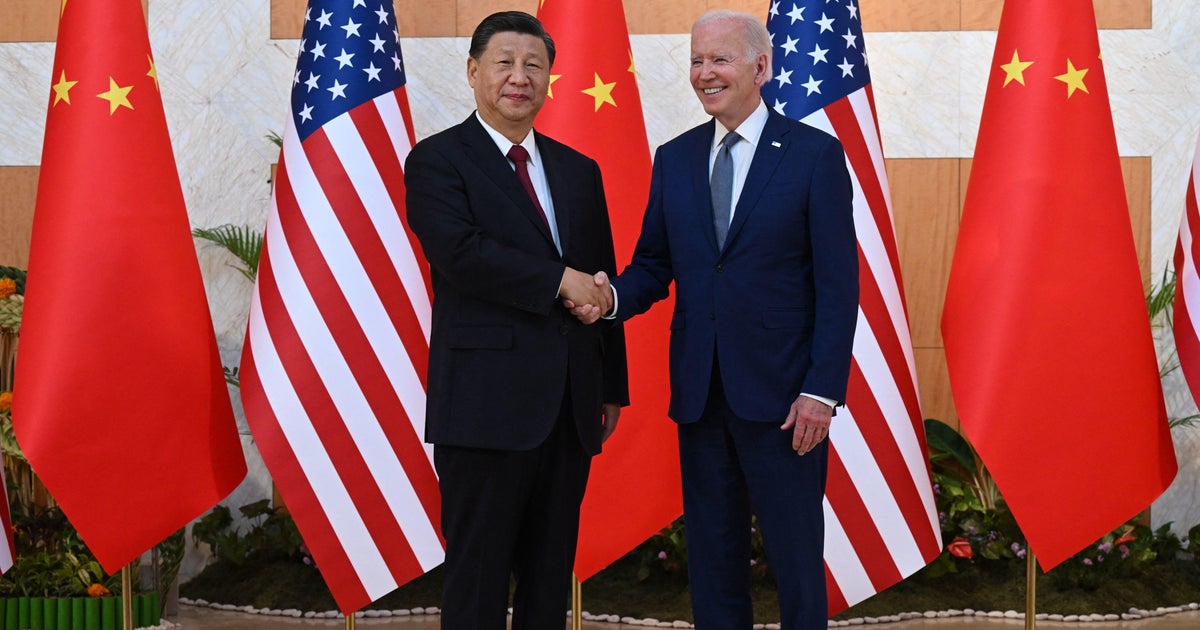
<point x="192" y="618"/>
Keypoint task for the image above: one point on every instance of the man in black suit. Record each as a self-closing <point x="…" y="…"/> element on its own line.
<point x="520" y="394"/>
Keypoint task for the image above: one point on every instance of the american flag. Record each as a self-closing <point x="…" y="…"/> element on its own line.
<point x="880" y="520"/>
<point x="334" y="367"/>
<point x="1187" y="286"/>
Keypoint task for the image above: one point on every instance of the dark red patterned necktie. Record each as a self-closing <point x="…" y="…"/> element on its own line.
<point x="520" y="156"/>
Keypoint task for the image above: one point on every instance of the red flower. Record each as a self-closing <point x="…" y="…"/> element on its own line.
<point x="1127" y="537"/>
<point x="960" y="548"/>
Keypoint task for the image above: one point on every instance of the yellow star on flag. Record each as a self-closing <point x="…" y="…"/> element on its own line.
<point x="116" y="96"/>
<point x="550" y="87"/>
<point x="62" y="8"/>
<point x="1073" y="78"/>
<point x="153" y="72"/>
<point x="62" y="89"/>
<point x="632" y="68"/>
<point x="602" y="92"/>
<point x="1015" y="69"/>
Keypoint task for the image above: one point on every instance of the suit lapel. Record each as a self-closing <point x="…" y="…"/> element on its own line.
<point x="484" y="153"/>
<point x="556" y="180"/>
<point x="772" y="144"/>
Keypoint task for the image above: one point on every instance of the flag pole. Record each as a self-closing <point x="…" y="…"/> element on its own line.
<point x="350" y="621"/>
<point x="576" y="603"/>
<point x="1030" y="590"/>
<point x="127" y="597"/>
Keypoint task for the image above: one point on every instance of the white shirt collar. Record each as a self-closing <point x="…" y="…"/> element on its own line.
<point x="504" y="144"/>
<point x="750" y="130"/>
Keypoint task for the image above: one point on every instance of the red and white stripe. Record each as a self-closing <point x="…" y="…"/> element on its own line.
<point x="334" y="368"/>
<point x="1187" y="286"/>
<point x="8" y="552"/>
<point x="880" y="516"/>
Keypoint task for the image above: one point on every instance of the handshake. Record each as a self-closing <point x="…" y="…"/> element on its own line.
<point x="587" y="297"/>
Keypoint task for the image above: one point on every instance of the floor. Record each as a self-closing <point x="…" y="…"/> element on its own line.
<point x="193" y="618"/>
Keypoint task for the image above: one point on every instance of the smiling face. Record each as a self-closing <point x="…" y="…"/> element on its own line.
<point x="510" y="79"/>
<point x="725" y="74"/>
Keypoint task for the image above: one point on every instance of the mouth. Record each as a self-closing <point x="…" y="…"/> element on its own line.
<point x="713" y="90"/>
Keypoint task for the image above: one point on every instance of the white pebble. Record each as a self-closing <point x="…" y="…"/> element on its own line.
<point x="1012" y="614"/>
<point x="995" y="614"/>
<point x="401" y="613"/>
<point x="681" y="624"/>
<point x="1071" y="618"/>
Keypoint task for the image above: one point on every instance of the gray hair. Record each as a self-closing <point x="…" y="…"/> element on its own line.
<point x="758" y="40"/>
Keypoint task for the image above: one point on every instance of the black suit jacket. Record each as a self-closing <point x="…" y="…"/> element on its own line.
<point x="503" y="350"/>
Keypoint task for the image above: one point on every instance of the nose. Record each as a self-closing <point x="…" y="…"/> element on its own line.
<point x="518" y="76"/>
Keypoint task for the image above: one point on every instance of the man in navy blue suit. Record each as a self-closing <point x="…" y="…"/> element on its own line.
<point x="750" y="215"/>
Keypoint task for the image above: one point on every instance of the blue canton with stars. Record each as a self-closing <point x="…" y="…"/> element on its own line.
<point x="819" y="56"/>
<point x="349" y="54"/>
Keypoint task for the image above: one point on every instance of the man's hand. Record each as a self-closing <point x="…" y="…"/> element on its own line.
<point x="809" y="421"/>
<point x="583" y="309"/>
<point x="610" y="413"/>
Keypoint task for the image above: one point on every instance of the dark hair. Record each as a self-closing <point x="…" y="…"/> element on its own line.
<point x="508" y="22"/>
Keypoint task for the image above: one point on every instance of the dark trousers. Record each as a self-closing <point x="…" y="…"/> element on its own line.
<point x="511" y="514"/>
<point x="730" y="467"/>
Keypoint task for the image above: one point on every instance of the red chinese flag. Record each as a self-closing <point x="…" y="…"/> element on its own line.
<point x="1047" y="338"/>
<point x="119" y="402"/>
<point x="594" y="106"/>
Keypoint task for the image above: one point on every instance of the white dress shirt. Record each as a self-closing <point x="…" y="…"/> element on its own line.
<point x="537" y="174"/>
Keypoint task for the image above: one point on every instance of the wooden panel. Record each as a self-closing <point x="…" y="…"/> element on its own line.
<point x="18" y="189"/>
<point x="984" y="15"/>
<point x="910" y="15"/>
<point x="472" y="12"/>
<point x="414" y="17"/>
<point x="1136" y="172"/>
<point x="29" y="21"/>
<point x="925" y="205"/>
<point x="934" y="383"/>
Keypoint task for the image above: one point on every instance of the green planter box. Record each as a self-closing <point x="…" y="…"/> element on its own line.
<point x="76" y="613"/>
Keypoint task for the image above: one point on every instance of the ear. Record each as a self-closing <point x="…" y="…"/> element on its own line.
<point x="761" y="69"/>
<point x="472" y="70"/>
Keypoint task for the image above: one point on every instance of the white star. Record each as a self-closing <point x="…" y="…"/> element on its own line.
<point x="847" y="68"/>
<point x="351" y="28"/>
<point x="396" y="32"/>
<point x="864" y="57"/>
<point x="826" y="24"/>
<point x="818" y="54"/>
<point x="383" y="15"/>
<point x="789" y="46"/>
<point x="312" y="81"/>
<point x="338" y="90"/>
<point x="778" y="107"/>
<point x="302" y="42"/>
<point x="396" y="60"/>
<point x="853" y="10"/>
<point x="324" y="19"/>
<point x="774" y="8"/>
<point x="318" y="51"/>
<point x="797" y="14"/>
<point x="372" y="72"/>
<point x="813" y="85"/>
<point x="851" y="39"/>
<point x="344" y="59"/>
<point x="296" y="79"/>
<point x="377" y="43"/>
<point x="308" y="14"/>
<point x="784" y="78"/>
<point x="306" y="113"/>
<point x="359" y="3"/>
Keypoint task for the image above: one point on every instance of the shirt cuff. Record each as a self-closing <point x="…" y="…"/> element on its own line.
<point x="612" y="314"/>
<point x="827" y="401"/>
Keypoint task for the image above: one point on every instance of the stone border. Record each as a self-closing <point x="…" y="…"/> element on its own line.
<point x="1132" y="614"/>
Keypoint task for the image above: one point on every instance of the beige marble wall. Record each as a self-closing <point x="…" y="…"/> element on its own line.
<point x="225" y="86"/>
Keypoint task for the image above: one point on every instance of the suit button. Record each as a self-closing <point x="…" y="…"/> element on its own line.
<point x="720" y="268"/>
<point x="712" y="315"/>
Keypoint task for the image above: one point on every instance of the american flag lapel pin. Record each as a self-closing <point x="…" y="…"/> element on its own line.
<point x="775" y="143"/>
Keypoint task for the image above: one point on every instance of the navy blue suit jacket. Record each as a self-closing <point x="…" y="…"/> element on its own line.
<point x="778" y="305"/>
